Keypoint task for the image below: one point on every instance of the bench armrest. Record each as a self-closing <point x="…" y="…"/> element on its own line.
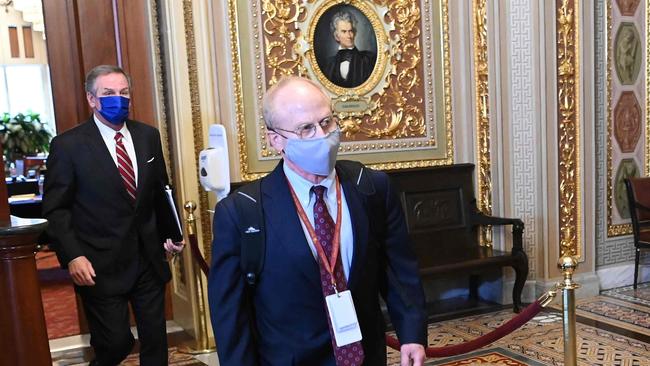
<point x="641" y="207"/>
<point x="479" y="218"/>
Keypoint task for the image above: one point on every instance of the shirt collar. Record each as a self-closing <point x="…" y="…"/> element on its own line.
<point x="302" y="186"/>
<point x="109" y="133"/>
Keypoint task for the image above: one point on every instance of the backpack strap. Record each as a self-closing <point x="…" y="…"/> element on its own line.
<point x="357" y="173"/>
<point x="248" y="203"/>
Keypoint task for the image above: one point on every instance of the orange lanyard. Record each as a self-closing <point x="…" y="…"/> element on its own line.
<point x="329" y="266"/>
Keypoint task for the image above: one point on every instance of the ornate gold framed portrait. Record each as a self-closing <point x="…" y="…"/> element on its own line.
<point x="380" y="61"/>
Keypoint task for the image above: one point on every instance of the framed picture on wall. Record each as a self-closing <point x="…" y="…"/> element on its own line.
<point x="380" y="61"/>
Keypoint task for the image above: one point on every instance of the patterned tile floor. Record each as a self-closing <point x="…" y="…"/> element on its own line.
<point x="612" y="330"/>
<point x="538" y="342"/>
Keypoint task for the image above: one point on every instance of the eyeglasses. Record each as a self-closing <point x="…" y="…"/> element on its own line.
<point x="308" y="130"/>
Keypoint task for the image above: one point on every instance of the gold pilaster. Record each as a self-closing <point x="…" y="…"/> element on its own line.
<point x="197" y="123"/>
<point x="482" y="115"/>
<point x="568" y="126"/>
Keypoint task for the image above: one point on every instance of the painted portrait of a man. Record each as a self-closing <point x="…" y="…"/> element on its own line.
<point x="345" y="63"/>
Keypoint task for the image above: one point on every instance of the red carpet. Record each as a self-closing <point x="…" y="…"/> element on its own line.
<point x="58" y="297"/>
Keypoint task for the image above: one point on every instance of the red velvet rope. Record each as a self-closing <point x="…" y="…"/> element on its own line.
<point x="522" y="318"/>
<point x="196" y="253"/>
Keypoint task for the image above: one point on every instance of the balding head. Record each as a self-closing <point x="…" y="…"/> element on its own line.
<point x="289" y="95"/>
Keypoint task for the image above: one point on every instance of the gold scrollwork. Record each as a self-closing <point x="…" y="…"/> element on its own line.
<point x="483" y="115"/>
<point x="568" y="131"/>
<point x="279" y="28"/>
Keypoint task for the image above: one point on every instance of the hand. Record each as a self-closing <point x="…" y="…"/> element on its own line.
<point x="412" y="354"/>
<point x="172" y="248"/>
<point x="82" y="271"/>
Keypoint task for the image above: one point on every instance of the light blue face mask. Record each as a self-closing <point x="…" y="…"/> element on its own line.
<point x="315" y="156"/>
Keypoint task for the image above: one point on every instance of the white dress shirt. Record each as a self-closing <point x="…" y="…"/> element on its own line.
<point x="344" y="67"/>
<point x="108" y="135"/>
<point x="302" y="187"/>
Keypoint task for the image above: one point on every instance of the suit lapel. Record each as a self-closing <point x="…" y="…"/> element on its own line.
<point x="284" y="225"/>
<point x="105" y="162"/>
<point x="359" y="220"/>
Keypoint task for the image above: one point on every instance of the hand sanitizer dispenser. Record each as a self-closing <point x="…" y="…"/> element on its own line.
<point x="214" y="169"/>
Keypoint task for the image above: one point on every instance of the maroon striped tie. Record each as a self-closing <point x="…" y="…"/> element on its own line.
<point x="125" y="166"/>
<point x="351" y="354"/>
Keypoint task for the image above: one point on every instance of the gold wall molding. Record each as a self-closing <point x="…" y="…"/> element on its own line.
<point x="612" y="229"/>
<point x="483" y="147"/>
<point x="568" y="82"/>
<point x="179" y="265"/>
<point x="616" y="88"/>
<point x="161" y="107"/>
<point x="197" y="124"/>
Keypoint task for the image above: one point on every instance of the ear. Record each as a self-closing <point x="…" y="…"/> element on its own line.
<point x="275" y="141"/>
<point x="93" y="101"/>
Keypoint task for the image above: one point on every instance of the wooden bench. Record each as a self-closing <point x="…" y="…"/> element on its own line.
<point x="444" y="224"/>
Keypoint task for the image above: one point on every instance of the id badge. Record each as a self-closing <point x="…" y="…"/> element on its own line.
<point x="343" y="318"/>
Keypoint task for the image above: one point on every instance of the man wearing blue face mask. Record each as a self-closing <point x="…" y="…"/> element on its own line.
<point x="336" y="241"/>
<point x="110" y="222"/>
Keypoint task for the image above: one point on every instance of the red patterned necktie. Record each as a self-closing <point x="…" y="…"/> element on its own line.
<point x="125" y="166"/>
<point x="351" y="354"/>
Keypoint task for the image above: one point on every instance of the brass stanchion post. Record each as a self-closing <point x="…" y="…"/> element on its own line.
<point x="201" y="344"/>
<point x="568" y="265"/>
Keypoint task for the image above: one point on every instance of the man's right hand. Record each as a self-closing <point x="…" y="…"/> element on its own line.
<point x="81" y="271"/>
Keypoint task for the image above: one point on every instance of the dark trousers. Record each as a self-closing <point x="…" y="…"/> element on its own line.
<point x="108" y="320"/>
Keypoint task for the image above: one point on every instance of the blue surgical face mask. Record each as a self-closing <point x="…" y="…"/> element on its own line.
<point x="315" y="156"/>
<point x="115" y="108"/>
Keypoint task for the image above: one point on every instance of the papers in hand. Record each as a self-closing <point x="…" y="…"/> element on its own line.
<point x="172" y="206"/>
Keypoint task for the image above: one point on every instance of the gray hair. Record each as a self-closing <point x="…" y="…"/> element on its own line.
<point x="269" y="102"/>
<point x="343" y="16"/>
<point x="101" y="70"/>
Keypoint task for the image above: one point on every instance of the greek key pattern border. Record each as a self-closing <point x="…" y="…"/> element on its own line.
<point x="524" y="137"/>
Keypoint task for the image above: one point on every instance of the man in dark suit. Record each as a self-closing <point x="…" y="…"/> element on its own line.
<point x="329" y="232"/>
<point x="350" y="67"/>
<point x="110" y="222"/>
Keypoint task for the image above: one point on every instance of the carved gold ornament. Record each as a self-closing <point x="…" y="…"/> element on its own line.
<point x="483" y="115"/>
<point x="568" y="130"/>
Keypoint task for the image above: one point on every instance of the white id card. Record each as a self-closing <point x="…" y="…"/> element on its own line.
<point x="343" y="318"/>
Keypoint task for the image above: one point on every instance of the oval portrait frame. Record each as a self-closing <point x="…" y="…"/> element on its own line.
<point x="380" y="35"/>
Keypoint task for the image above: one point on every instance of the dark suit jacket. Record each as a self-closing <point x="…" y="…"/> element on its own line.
<point x="361" y="65"/>
<point x="90" y="213"/>
<point x="289" y="308"/>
